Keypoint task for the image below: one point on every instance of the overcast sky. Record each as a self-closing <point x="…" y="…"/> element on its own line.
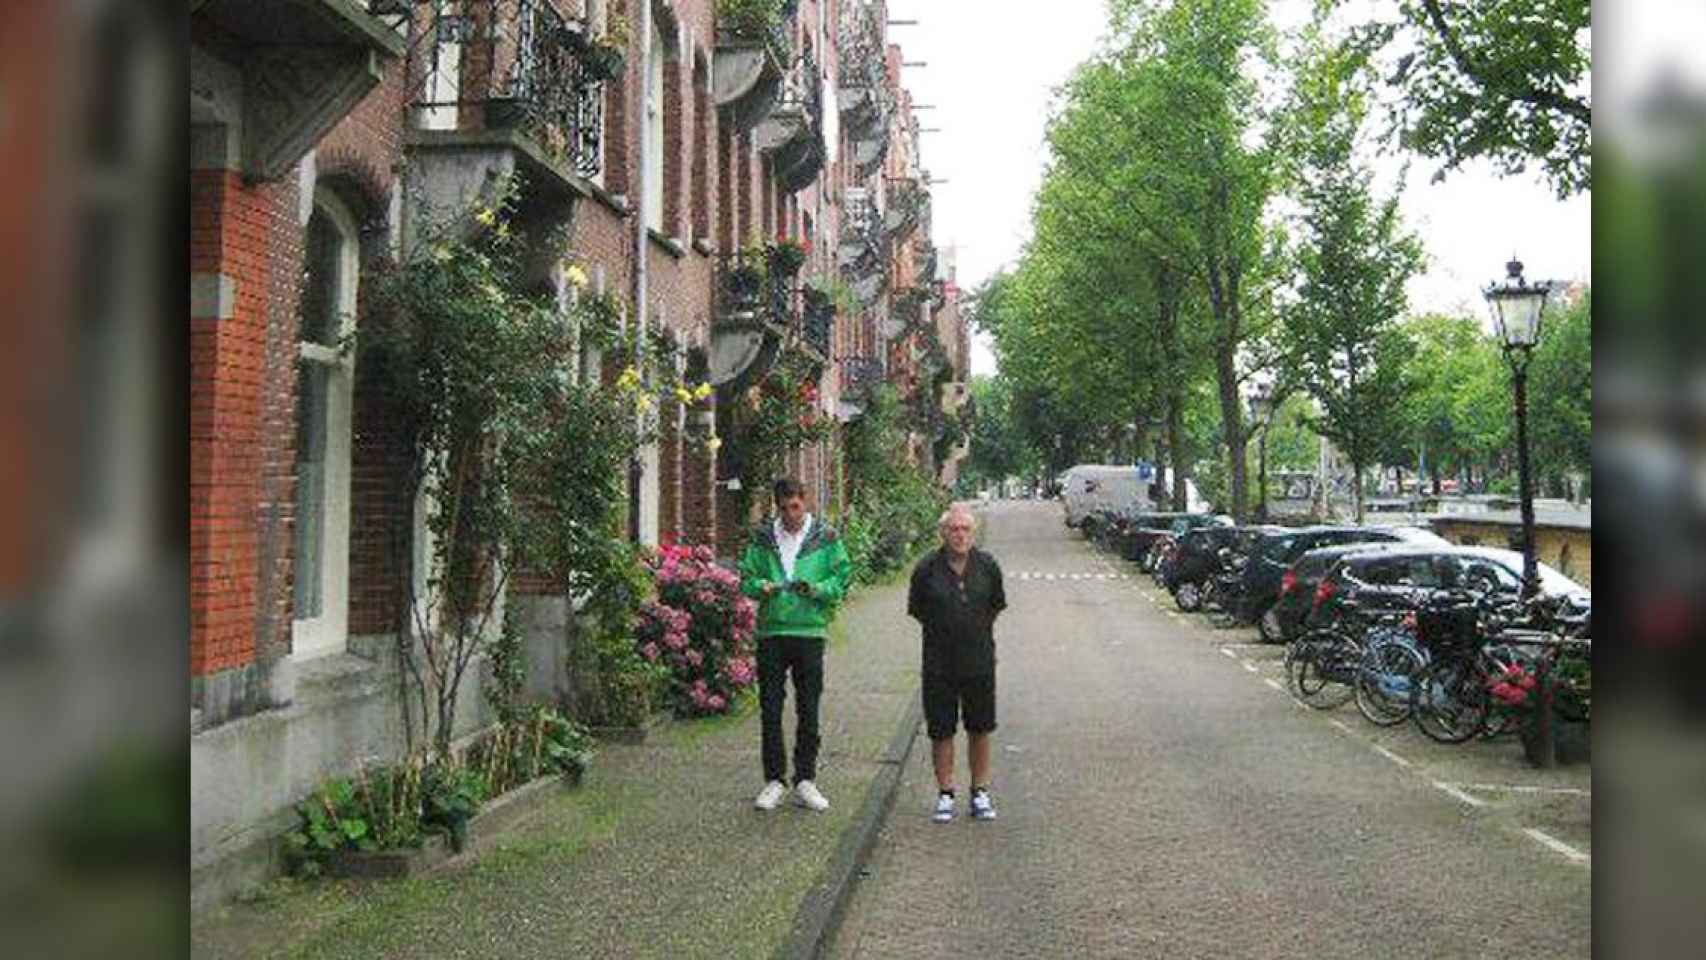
<point x="990" y="74"/>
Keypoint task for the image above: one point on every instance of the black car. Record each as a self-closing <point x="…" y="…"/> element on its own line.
<point x="1297" y="585"/>
<point x="1274" y="554"/>
<point x="1198" y="556"/>
<point x="1142" y="530"/>
<point x="1398" y="579"/>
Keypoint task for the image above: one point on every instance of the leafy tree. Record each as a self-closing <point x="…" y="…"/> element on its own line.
<point x="1505" y="80"/>
<point x="1344" y="340"/>
<point x="1560" y="394"/>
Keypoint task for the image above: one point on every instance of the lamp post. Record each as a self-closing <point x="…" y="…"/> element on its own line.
<point x="1262" y="411"/>
<point x="1517" y="307"/>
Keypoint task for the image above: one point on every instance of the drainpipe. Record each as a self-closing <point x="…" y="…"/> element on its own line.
<point x="642" y="217"/>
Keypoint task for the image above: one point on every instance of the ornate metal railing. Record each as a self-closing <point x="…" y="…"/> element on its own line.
<point x="817" y="319"/>
<point x="751" y="285"/>
<point x="512" y="64"/>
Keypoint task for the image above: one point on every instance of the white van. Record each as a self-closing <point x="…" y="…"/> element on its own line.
<point x="1089" y="487"/>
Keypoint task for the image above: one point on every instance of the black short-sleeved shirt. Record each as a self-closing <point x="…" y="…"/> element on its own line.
<point x="958" y="613"/>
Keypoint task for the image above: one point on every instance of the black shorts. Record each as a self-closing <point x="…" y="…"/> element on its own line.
<point x="948" y="699"/>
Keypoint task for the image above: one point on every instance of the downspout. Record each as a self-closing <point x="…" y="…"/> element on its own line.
<point x="642" y="217"/>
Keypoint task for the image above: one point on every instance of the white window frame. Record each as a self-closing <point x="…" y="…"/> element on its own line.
<point x="656" y="130"/>
<point x="328" y="633"/>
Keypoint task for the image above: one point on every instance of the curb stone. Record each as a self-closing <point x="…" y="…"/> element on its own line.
<point x="821" y="912"/>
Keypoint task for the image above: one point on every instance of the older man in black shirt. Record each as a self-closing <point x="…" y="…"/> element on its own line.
<point x="956" y="594"/>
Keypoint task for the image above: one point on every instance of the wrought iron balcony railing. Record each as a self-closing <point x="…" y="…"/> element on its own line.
<point x="512" y="64"/>
<point x="753" y="287"/>
<point x="817" y="319"/>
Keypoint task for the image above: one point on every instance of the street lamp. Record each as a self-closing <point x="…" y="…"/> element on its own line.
<point x="1262" y="411"/>
<point x="1517" y="307"/>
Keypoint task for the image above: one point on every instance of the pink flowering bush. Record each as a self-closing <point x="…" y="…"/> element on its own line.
<point x="700" y="627"/>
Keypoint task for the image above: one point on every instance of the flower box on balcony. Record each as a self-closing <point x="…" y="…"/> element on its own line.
<point x="603" y="61"/>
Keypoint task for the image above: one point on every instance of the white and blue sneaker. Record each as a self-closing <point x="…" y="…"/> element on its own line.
<point x="982" y="807"/>
<point x="944" y="808"/>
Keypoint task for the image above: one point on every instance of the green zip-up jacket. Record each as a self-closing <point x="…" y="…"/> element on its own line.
<point x="822" y="563"/>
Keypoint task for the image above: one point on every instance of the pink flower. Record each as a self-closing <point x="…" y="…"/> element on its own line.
<point x="695" y="657"/>
<point x="715" y="701"/>
<point x="650" y="651"/>
<point x="703" y="553"/>
<point x="675" y="640"/>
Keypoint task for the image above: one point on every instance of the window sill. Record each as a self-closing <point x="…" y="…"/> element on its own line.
<point x="670" y="244"/>
<point x="704" y="247"/>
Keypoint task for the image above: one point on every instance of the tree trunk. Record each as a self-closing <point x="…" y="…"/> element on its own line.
<point x="1232" y="424"/>
<point x="1356" y="489"/>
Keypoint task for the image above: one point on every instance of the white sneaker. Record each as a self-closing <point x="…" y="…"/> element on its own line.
<point x="944" y="808"/>
<point x="981" y="806"/>
<point x="770" y="796"/>
<point x="806" y="795"/>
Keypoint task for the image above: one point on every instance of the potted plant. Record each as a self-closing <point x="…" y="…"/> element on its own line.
<point x="603" y="57"/>
<point x="788" y="256"/>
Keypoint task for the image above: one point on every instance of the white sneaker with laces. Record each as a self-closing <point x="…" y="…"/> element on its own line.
<point x="944" y="808"/>
<point x="770" y="796"/>
<point x="806" y="795"/>
<point x="982" y="807"/>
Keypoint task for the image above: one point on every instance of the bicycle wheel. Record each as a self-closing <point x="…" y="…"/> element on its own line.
<point x="1188" y="596"/>
<point x="1384" y="679"/>
<point x="1317" y="667"/>
<point x="1449" y="699"/>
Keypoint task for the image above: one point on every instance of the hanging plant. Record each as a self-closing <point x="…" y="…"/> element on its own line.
<point x="788" y="256"/>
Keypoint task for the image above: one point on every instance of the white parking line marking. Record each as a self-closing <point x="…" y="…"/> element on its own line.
<point x="1270" y="681"/>
<point x="1557" y="845"/>
<point x="1452" y="791"/>
<point x="1400" y="761"/>
<point x="1341" y="725"/>
<point x="1248" y="666"/>
<point x="1517" y="788"/>
<point x="1229" y="653"/>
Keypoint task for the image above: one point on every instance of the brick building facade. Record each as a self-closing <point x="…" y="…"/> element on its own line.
<point x="320" y="131"/>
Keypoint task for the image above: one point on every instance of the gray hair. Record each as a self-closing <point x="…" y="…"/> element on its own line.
<point x="956" y="510"/>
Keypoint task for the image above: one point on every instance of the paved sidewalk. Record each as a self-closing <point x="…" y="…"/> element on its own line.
<point x="659" y="854"/>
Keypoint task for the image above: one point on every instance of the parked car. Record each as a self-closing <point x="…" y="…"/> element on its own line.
<point x="1399" y="578"/>
<point x="1297" y="584"/>
<point x="1274" y="554"/>
<point x="1139" y="531"/>
<point x="1203" y="553"/>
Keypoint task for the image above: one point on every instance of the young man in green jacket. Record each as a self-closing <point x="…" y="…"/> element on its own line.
<point x="796" y="568"/>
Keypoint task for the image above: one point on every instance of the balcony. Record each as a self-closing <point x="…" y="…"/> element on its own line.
<point x="754" y="315"/>
<point x="908" y="200"/>
<point x="817" y="322"/>
<point x="906" y="312"/>
<point x="792" y="136"/>
<point x="750" y="68"/>
<point x="859" y="376"/>
<point x="861" y="254"/>
<point x="502" y="88"/>
<point x="867" y="101"/>
<point x="269" y="80"/>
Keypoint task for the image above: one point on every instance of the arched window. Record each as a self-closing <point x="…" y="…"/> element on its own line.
<point x="331" y="264"/>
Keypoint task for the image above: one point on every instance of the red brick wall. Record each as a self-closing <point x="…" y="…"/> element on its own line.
<point x="228" y="236"/>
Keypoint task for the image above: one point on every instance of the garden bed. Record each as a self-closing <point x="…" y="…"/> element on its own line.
<point x="634" y="734"/>
<point x="495" y="816"/>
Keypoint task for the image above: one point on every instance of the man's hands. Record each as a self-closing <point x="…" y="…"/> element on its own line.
<point x="798" y="587"/>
